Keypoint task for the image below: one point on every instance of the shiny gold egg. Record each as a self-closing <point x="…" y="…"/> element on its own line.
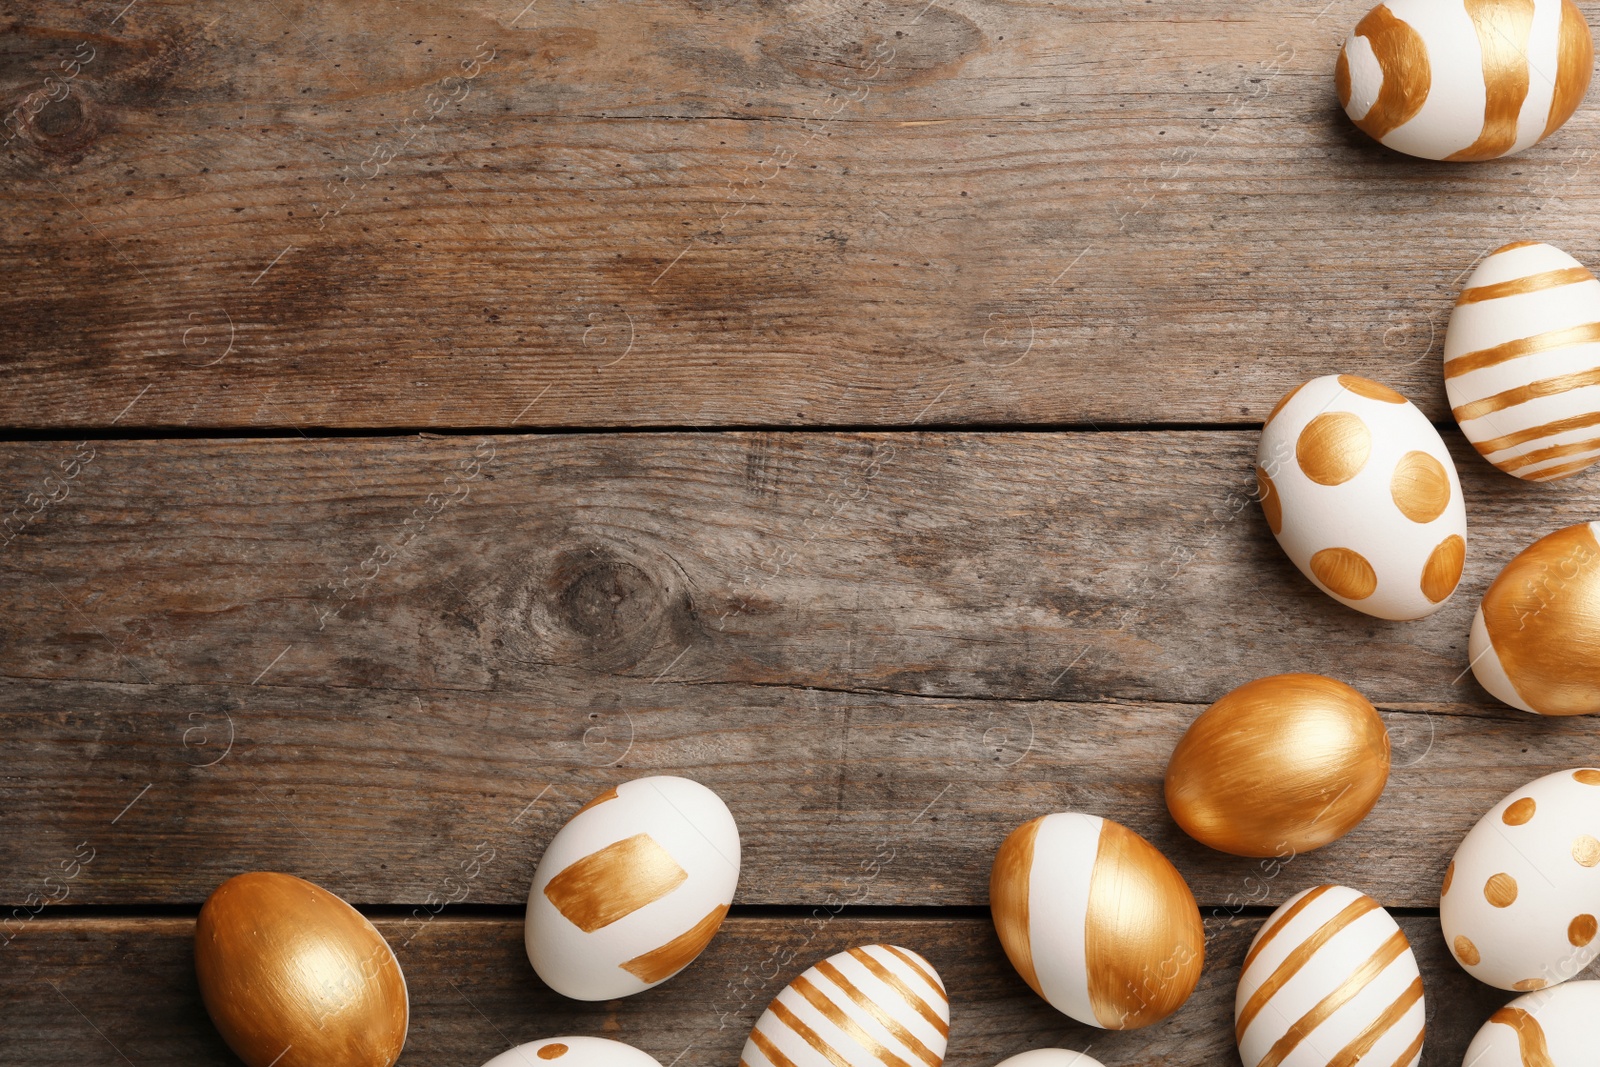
<point x="295" y="977"/>
<point x="1279" y="766"/>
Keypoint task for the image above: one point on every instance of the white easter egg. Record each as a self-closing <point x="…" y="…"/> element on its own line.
<point x="1358" y="488"/>
<point x="574" y="1052"/>
<point x="865" y="1007"/>
<point x="1096" y="920"/>
<point x="1550" y="1028"/>
<point x="1522" y="362"/>
<point x="1329" y="979"/>
<point x="632" y="888"/>
<point x="1465" y="79"/>
<point x="1521" y="896"/>
<point x="1049" y="1057"/>
<point x="1535" y="639"/>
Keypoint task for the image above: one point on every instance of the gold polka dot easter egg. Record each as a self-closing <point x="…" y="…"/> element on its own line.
<point x="1535" y="638"/>
<point x="1465" y="79"/>
<point x="1522" y="362"/>
<point x="1279" y="766"/>
<point x="574" y="1052"/>
<point x="1520" y="903"/>
<point x="632" y="888"/>
<point x="1360" y="492"/>
<point x="1329" y="980"/>
<point x="1096" y="920"/>
<point x="292" y="976"/>
<point x="869" y="1006"/>
<point x="1550" y="1028"/>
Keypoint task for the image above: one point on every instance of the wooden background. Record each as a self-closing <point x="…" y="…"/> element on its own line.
<point x="420" y="417"/>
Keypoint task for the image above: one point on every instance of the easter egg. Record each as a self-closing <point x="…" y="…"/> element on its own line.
<point x="1535" y="638"/>
<point x="1329" y="979"/>
<point x="1552" y="1028"/>
<point x="1521" y="897"/>
<point x="1522" y="362"/>
<point x="574" y="1052"/>
<point x="1360" y="492"/>
<point x="869" y="1006"/>
<point x="632" y="888"/>
<point x="1464" y="79"/>
<point x="293" y="976"/>
<point x="1049" y="1057"/>
<point x="1096" y="921"/>
<point x="1279" y="766"/>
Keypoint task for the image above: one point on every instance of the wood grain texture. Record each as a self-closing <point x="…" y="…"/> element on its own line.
<point x="473" y="994"/>
<point x="731" y="213"/>
<point x="914" y="640"/>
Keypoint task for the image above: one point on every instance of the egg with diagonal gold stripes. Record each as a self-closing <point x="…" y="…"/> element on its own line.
<point x="1535" y="638"/>
<point x="1550" y="1028"/>
<point x="1520" y="901"/>
<point x="632" y="888"/>
<point x="1096" y="920"/>
<point x="869" y="1006"/>
<point x="1522" y="362"/>
<point x="1329" y="979"/>
<point x="1465" y="79"/>
<point x="1362" y="495"/>
<point x="574" y="1052"/>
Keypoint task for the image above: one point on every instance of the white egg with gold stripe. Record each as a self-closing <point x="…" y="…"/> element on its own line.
<point x="1550" y="1028"/>
<point x="870" y="1006"/>
<point x="1522" y="362"/>
<point x="1465" y="79"/>
<point x="1096" y="920"/>
<point x="1050" y="1057"/>
<point x="574" y="1052"/>
<point x="632" y="888"/>
<point x="1329" y="981"/>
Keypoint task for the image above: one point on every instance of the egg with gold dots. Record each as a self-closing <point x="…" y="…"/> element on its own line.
<point x="1465" y="80"/>
<point x="1363" y="497"/>
<point x="574" y="1052"/>
<point x="1520" y="903"/>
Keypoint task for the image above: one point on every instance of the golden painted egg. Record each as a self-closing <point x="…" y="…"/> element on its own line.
<point x="1096" y="920"/>
<point x="1535" y="640"/>
<point x="1465" y="79"/>
<point x="295" y="977"/>
<point x="1279" y="766"/>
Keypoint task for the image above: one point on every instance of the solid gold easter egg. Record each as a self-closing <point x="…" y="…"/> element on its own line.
<point x="295" y="977"/>
<point x="1279" y="766"/>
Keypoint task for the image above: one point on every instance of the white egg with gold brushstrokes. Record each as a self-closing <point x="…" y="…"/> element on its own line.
<point x="574" y="1052"/>
<point x="1522" y="362"/>
<point x="1465" y="79"/>
<point x="1359" y="490"/>
<point x="632" y="888"/>
<point x="1535" y="638"/>
<point x="1520" y="898"/>
<point x="1096" y="920"/>
<point x="1550" y="1028"/>
<point x="1329" y="979"/>
<point x="1050" y="1057"/>
<point x="870" y="1006"/>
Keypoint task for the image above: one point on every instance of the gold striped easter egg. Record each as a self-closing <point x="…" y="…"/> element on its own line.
<point x="1329" y="981"/>
<point x="1551" y="1028"/>
<point x="1522" y="362"/>
<point x="1096" y="920"/>
<point x="869" y="1006"/>
<point x="632" y="888"/>
<point x="1465" y="79"/>
<point x="1535" y="638"/>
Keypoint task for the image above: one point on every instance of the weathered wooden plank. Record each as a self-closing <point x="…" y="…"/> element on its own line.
<point x="82" y="990"/>
<point x="665" y="214"/>
<point x="835" y="631"/>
